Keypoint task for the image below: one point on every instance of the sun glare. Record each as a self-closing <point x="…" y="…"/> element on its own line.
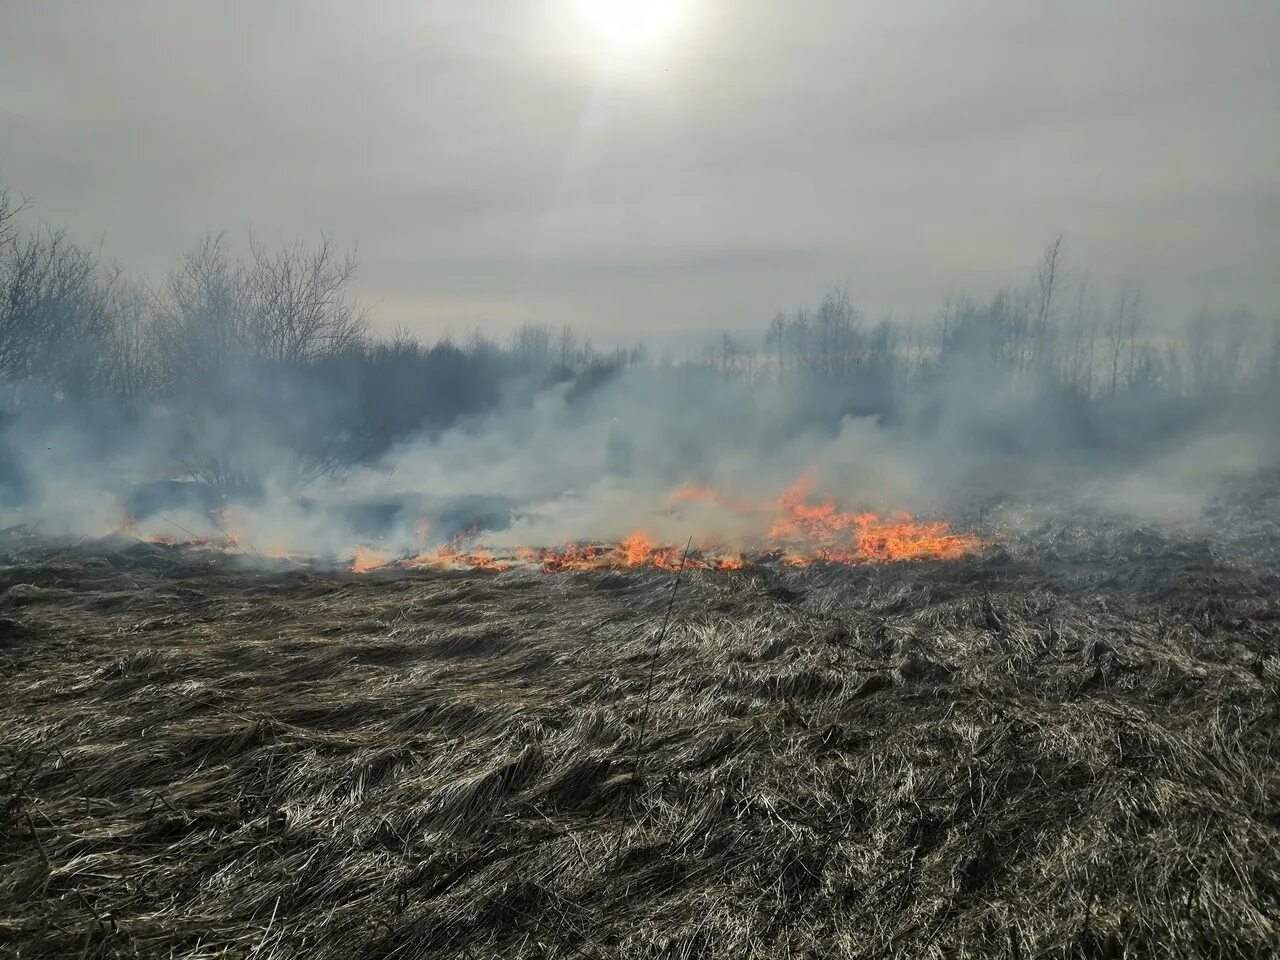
<point x="632" y="27"/>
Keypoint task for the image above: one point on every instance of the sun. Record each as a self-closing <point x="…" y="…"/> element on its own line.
<point x="625" y="44"/>
<point x="632" y="28"/>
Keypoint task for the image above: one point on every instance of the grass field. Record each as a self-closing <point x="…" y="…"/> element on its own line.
<point x="1063" y="747"/>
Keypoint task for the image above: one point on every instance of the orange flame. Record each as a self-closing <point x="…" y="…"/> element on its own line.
<point x="366" y="560"/>
<point x="800" y="531"/>
<point x="800" y="534"/>
<point x="695" y="493"/>
<point x="848" y="538"/>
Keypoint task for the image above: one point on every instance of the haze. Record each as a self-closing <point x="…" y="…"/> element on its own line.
<point x="496" y="163"/>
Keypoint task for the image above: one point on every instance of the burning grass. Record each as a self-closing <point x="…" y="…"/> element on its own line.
<point x="1064" y="745"/>
<point x="799" y="533"/>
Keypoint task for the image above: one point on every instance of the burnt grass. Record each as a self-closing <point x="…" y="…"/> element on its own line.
<point x="1066" y="747"/>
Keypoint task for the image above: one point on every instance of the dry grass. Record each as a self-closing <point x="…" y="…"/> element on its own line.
<point x="1066" y="748"/>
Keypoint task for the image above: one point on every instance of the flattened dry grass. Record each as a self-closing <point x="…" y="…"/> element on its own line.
<point x="1066" y="748"/>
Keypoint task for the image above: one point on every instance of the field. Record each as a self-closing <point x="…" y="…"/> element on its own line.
<point x="1065" y="746"/>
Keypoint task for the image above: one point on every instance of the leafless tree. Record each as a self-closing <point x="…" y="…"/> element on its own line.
<point x="280" y="310"/>
<point x="571" y="356"/>
<point x="775" y="340"/>
<point x="1078" y="365"/>
<point x="1047" y="275"/>
<point x="729" y="351"/>
<point x="54" y="314"/>
<point x="531" y="346"/>
<point x="9" y="209"/>
<point x="1122" y="334"/>
<point x="299" y="302"/>
<point x="203" y="319"/>
<point x="1219" y="350"/>
<point x="837" y="334"/>
<point x="131" y="360"/>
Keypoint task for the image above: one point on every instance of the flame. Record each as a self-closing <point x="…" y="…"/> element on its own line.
<point x="849" y="538"/>
<point x="450" y="556"/>
<point x="708" y="494"/>
<point x="694" y="493"/>
<point x="455" y="554"/>
<point x="366" y="559"/>
<point x="226" y="540"/>
<point x="634" y="550"/>
<point x="801" y="531"/>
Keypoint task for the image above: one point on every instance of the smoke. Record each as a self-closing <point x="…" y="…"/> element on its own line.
<point x="546" y="467"/>
<point x="245" y="398"/>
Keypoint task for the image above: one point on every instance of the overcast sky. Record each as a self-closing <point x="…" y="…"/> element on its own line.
<point x="497" y="161"/>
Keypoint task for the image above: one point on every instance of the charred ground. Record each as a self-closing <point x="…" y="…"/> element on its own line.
<point x="1065" y="746"/>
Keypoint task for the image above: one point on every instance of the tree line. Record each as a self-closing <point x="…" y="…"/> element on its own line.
<point x="272" y="339"/>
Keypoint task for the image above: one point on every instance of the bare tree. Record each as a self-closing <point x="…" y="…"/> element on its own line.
<point x="282" y="309"/>
<point x="837" y="334"/>
<point x="729" y="354"/>
<point x="130" y="360"/>
<point x="567" y="346"/>
<point x="54" y="314"/>
<point x="300" y="309"/>
<point x="203" y="325"/>
<point x="1122" y="333"/>
<point x="1219" y="348"/>
<point x="1078" y="365"/>
<point x="993" y="333"/>
<point x="1046" y="283"/>
<point x="7" y="213"/>
<point x="531" y="346"/>
<point x="775" y="339"/>
<point x="9" y="210"/>
<point x="798" y="339"/>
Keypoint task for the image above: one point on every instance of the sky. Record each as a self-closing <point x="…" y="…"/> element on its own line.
<point x="501" y="161"/>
